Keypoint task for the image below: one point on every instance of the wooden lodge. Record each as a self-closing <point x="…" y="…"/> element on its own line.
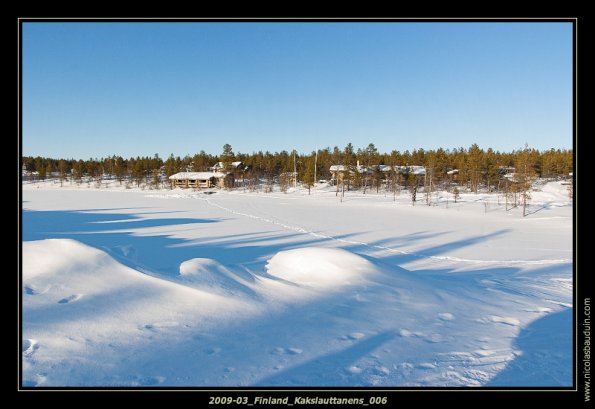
<point x="201" y="180"/>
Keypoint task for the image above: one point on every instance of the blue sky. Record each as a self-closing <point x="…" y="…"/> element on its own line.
<point x="97" y="89"/>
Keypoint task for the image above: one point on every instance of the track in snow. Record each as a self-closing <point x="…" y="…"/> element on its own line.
<point x="302" y="230"/>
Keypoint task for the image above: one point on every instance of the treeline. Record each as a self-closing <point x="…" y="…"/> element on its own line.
<point x="476" y="167"/>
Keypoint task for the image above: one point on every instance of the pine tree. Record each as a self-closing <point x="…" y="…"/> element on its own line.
<point x="227" y="158"/>
<point x="170" y="166"/>
<point x="308" y="175"/>
<point x="138" y="171"/>
<point x="524" y="174"/>
<point x="378" y="176"/>
<point x="413" y="183"/>
<point x="349" y="161"/>
<point x="62" y="169"/>
<point x="42" y="172"/>
<point x="475" y="155"/>
<point x="78" y="170"/>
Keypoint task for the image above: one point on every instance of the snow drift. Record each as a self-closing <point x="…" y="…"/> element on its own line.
<point x="81" y="304"/>
<point x="210" y="275"/>
<point x="322" y="268"/>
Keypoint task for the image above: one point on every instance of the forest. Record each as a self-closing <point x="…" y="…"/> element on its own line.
<point x="470" y="169"/>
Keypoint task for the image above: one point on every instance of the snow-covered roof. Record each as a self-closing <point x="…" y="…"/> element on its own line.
<point x="343" y="168"/>
<point x="417" y="170"/>
<point x="452" y="172"/>
<point x="196" y="175"/>
<point x="221" y="165"/>
<point x="338" y="168"/>
<point x="506" y="169"/>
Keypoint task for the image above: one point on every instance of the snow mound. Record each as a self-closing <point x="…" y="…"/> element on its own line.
<point x="72" y="272"/>
<point x="553" y="192"/>
<point x="201" y="267"/>
<point x="212" y="276"/>
<point x="319" y="267"/>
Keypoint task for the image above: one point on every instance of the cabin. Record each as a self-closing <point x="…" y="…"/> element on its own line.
<point x="507" y="172"/>
<point x="338" y="172"/>
<point x="453" y="175"/>
<point x="27" y="175"/>
<point x="201" y="180"/>
<point x="288" y="179"/>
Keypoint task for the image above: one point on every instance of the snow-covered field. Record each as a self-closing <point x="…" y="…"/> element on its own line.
<point x="180" y="288"/>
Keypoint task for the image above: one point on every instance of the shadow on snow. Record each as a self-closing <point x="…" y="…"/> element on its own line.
<point x="317" y="369"/>
<point x="121" y="235"/>
<point x="545" y="357"/>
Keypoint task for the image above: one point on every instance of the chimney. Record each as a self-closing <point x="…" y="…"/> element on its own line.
<point x="358" y="163"/>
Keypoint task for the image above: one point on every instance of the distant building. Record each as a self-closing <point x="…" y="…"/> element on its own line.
<point x="415" y="169"/>
<point x="219" y="166"/>
<point x="27" y="175"/>
<point x="403" y="170"/>
<point x="338" y="172"/>
<point x="507" y="172"/>
<point x="568" y="180"/>
<point x="452" y="175"/>
<point x="201" y="180"/>
<point x="288" y="178"/>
